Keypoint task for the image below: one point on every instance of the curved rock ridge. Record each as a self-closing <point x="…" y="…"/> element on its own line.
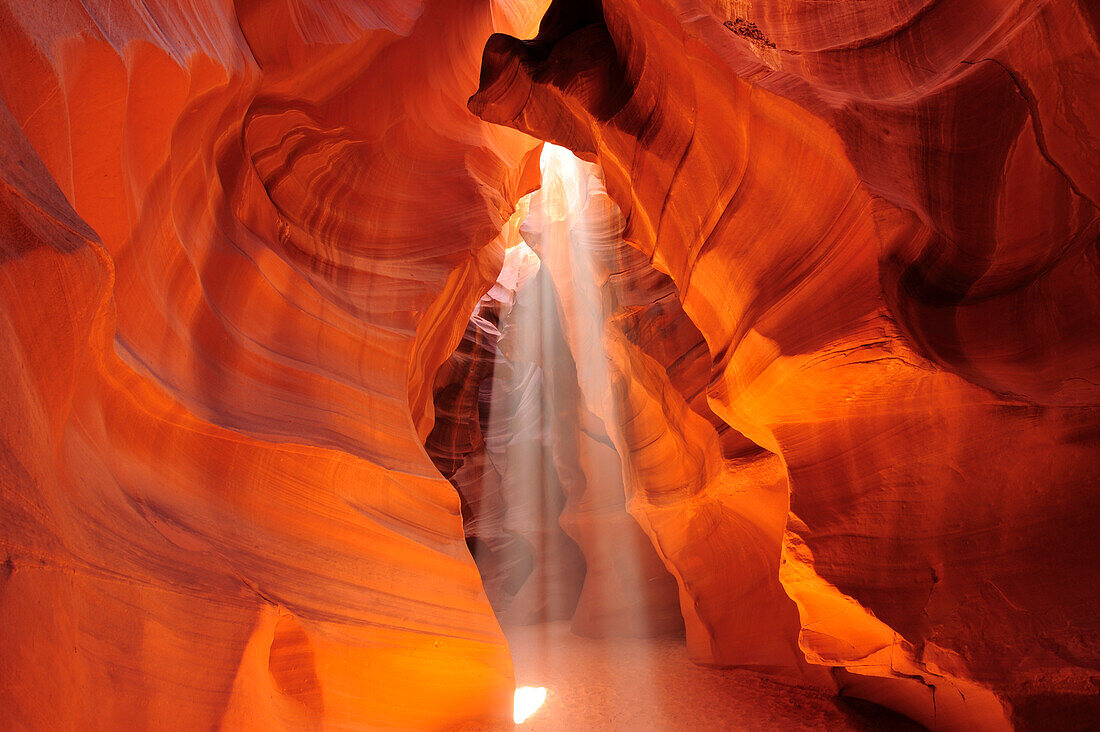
<point x="316" y="370"/>
<point x="238" y="241"/>
<point x="967" y="250"/>
<point x="894" y="266"/>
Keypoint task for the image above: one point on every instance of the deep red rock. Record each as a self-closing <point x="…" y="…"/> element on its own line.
<point x="803" y="358"/>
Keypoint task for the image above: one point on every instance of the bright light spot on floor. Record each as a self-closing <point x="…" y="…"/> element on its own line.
<point x="528" y="701"/>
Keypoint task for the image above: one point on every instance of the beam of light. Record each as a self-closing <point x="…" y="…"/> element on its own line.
<point x="562" y="182"/>
<point x="555" y="297"/>
<point x="528" y="701"/>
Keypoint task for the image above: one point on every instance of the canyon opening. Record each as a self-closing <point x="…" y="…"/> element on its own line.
<point x="549" y="365"/>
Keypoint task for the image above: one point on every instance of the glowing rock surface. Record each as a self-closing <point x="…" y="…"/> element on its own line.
<point x="237" y="243"/>
<point x="897" y="287"/>
<point x="826" y="376"/>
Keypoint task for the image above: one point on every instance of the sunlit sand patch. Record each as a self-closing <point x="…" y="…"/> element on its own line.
<point x="528" y="701"/>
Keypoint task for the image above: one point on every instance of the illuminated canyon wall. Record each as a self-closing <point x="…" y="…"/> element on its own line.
<point x="825" y="370"/>
<point x="238" y="243"/>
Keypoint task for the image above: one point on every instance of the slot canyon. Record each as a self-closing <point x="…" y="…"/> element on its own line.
<point x="550" y="365"/>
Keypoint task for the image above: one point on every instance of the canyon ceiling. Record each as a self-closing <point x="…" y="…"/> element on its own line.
<point x="827" y="379"/>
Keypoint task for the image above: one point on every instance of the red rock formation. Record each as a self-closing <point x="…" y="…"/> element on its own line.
<point x="896" y="276"/>
<point x="824" y="381"/>
<point x="238" y="242"/>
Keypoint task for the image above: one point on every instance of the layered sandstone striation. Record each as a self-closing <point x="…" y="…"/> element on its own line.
<point x="306" y="389"/>
<point x="882" y="222"/>
<point x="238" y="240"/>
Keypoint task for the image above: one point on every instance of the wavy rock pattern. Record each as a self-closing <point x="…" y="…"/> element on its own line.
<point x="897" y="286"/>
<point x="822" y="389"/>
<point x="224" y="303"/>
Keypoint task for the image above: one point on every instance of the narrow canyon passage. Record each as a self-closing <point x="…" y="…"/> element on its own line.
<point x="613" y="364"/>
<point x="524" y="413"/>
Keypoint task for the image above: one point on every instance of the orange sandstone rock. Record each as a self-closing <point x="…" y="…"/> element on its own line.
<point x="238" y="241"/>
<point x="896" y="277"/>
<point x="820" y="386"/>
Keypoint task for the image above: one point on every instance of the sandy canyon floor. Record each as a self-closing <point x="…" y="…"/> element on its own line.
<point x="650" y="684"/>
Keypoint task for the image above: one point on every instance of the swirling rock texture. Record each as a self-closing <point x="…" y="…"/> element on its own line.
<point x="238" y="241"/>
<point x="822" y="381"/>
<point x="881" y="219"/>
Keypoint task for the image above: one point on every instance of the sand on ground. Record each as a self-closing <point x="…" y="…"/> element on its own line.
<point x="651" y="685"/>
